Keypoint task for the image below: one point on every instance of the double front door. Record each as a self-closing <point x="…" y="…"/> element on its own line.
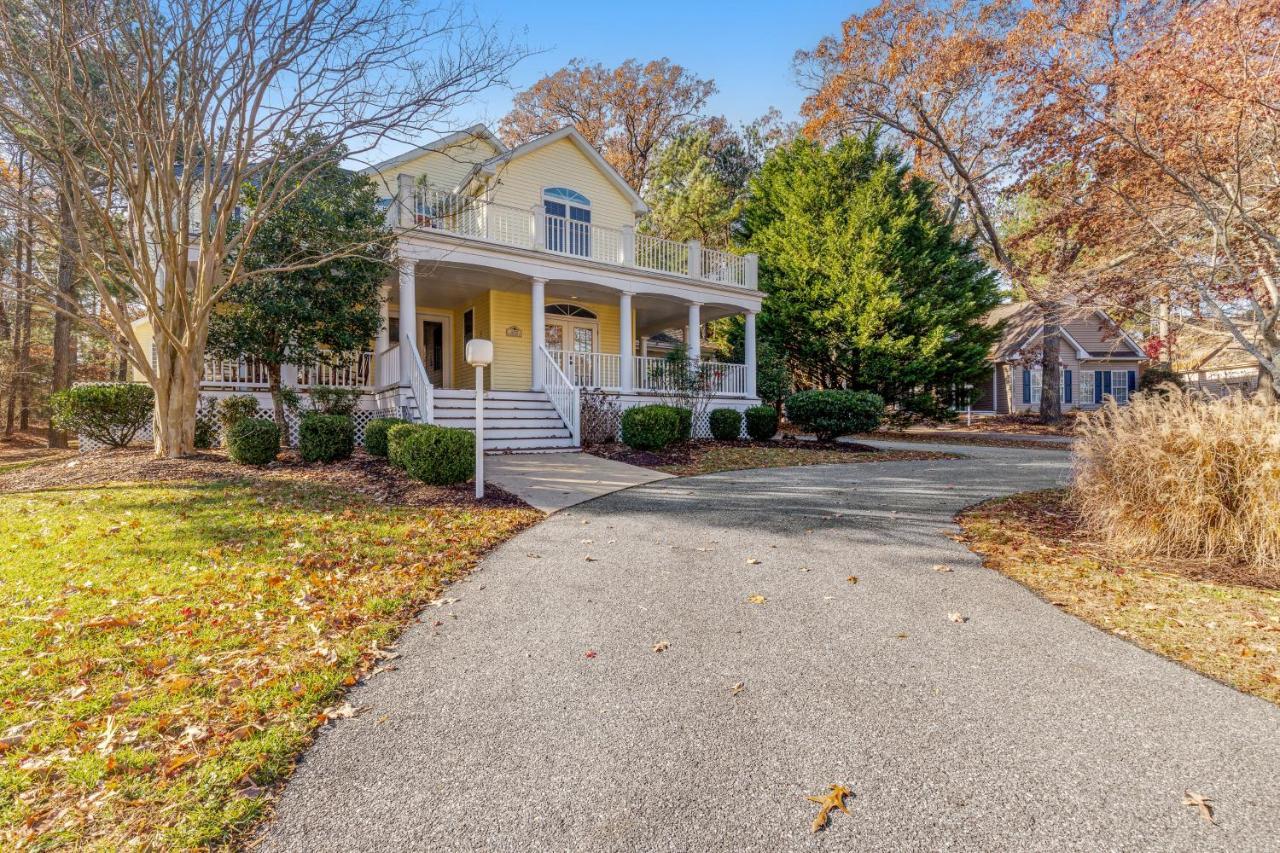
<point x="573" y="344"/>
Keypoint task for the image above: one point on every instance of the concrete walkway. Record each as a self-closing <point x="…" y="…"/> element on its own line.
<point x="553" y="481"/>
<point x="533" y="714"/>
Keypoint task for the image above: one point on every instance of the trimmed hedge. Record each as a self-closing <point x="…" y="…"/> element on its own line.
<point x="233" y="409"/>
<point x="726" y="424"/>
<point x="326" y="438"/>
<point x="375" y="435"/>
<point x="396" y="436"/>
<point x="650" y="427"/>
<point x="109" y="414"/>
<point x="832" y="413"/>
<point x="439" y="455"/>
<point x="762" y="422"/>
<point x="253" y="441"/>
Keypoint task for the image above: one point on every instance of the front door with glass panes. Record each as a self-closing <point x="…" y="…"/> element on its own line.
<point x="571" y="333"/>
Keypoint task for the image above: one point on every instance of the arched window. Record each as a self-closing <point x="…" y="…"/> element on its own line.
<point x="565" y="310"/>
<point x="568" y="215"/>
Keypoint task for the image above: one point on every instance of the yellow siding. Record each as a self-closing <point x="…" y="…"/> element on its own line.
<point x="464" y="375"/>
<point x="520" y="182"/>
<point x="444" y="169"/>
<point x="513" y="357"/>
<point x="142" y="328"/>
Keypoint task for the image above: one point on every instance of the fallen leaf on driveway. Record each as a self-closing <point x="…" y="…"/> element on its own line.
<point x="852" y="579"/>
<point x="829" y="802"/>
<point x="661" y="646"/>
<point x="737" y="688"/>
<point x="942" y="567"/>
<point x="757" y="599"/>
<point x="1201" y="802"/>
<point x="591" y="653"/>
<point x="591" y="559"/>
<point x="957" y="618"/>
<point x="345" y="711"/>
<point x="752" y="561"/>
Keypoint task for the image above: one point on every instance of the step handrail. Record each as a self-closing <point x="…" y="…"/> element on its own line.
<point x="563" y="394"/>
<point x="423" y="390"/>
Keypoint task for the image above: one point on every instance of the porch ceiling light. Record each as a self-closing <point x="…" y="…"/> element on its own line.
<point x="479" y="352"/>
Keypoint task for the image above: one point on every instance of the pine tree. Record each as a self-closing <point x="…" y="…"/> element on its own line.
<point x="867" y="285"/>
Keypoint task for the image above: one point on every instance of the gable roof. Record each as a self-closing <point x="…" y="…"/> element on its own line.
<point x="444" y="143"/>
<point x="1024" y="323"/>
<point x="490" y="167"/>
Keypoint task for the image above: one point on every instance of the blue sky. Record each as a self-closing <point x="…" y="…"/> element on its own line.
<point x="746" y="47"/>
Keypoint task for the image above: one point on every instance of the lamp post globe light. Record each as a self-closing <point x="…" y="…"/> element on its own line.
<point x="479" y="355"/>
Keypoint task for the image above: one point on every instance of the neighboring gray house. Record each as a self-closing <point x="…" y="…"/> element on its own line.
<point x="1099" y="360"/>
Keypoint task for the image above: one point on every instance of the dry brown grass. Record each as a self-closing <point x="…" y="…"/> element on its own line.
<point x="1182" y="476"/>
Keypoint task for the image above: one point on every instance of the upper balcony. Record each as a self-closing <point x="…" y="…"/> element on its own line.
<point x="425" y="208"/>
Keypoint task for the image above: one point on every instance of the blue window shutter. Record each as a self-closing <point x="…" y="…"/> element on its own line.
<point x="1066" y="386"/>
<point x="1026" y="386"/>
<point x="1106" y="382"/>
<point x="1097" y="384"/>
<point x="1133" y="381"/>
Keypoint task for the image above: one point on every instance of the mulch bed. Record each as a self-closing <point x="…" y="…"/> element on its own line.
<point x="688" y="453"/>
<point x="368" y="476"/>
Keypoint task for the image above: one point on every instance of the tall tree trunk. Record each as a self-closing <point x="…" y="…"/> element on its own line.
<point x="64" y="299"/>
<point x="1050" y="366"/>
<point x="177" y="395"/>
<point x="277" y="401"/>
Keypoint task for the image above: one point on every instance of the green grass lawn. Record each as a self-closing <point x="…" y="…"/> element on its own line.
<point x="167" y="650"/>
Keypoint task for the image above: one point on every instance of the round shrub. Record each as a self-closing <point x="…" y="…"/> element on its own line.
<point x="205" y="433"/>
<point x="833" y="413"/>
<point x="762" y="422"/>
<point x="375" y="435"/>
<point x="253" y="441"/>
<point x="726" y="424"/>
<point x="233" y="409"/>
<point x="650" y="427"/>
<point x="396" y="435"/>
<point x="439" y="455"/>
<point x="326" y="438"/>
<point x="109" y="414"/>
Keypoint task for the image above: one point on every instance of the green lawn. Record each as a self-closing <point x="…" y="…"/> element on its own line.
<point x="167" y="650"/>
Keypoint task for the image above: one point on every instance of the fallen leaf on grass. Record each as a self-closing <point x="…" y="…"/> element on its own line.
<point x="757" y="599"/>
<point x="1201" y="802"/>
<point x="832" y="800"/>
<point x="661" y="646"/>
<point x="957" y="618"/>
<point x="942" y="567"/>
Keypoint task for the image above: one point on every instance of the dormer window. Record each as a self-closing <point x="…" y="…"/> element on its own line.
<point x="568" y="215"/>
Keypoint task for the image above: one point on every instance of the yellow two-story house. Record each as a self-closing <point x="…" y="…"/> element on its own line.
<point x="535" y="248"/>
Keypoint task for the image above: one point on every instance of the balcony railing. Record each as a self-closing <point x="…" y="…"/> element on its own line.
<point x="426" y="208"/>
<point x="247" y="374"/>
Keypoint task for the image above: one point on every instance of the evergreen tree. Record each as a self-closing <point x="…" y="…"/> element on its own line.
<point x="311" y="314"/>
<point x="867" y="286"/>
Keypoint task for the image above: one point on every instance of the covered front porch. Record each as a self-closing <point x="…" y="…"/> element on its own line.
<point x="548" y="331"/>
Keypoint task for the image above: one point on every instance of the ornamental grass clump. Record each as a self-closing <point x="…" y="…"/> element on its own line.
<point x="1178" y="475"/>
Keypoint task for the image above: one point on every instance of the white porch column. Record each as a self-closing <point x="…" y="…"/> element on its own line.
<point x="627" y="347"/>
<point x="538" y="330"/>
<point x="749" y="348"/>
<point x="693" y="335"/>
<point x="408" y="318"/>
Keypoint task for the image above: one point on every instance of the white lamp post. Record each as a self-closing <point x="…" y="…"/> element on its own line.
<point x="479" y="356"/>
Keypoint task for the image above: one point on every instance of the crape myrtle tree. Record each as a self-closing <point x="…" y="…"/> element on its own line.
<point x="187" y="104"/>
<point x="316" y="314"/>
<point x="867" y="285"/>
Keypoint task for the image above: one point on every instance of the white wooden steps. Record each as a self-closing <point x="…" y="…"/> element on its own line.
<point x="514" y="421"/>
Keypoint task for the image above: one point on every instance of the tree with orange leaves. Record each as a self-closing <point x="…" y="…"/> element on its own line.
<point x="627" y="113"/>
<point x="1173" y="110"/>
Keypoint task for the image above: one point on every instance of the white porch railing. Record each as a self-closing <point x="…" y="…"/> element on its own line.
<point x="662" y="374"/>
<point x="562" y="393"/>
<point x="235" y="373"/>
<point x="387" y="369"/>
<point x="426" y="209"/>
<point x="589" y="369"/>
<point x="354" y="374"/>
<point x="423" y="390"/>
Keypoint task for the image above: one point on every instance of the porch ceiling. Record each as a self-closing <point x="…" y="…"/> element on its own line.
<point x="445" y="285"/>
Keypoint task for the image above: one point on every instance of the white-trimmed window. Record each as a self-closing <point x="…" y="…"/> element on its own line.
<point x="1120" y="385"/>
<point x="1086" y="387"/>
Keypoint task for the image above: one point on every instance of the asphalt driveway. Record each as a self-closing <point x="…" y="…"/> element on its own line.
<point x="533" y="713"/>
